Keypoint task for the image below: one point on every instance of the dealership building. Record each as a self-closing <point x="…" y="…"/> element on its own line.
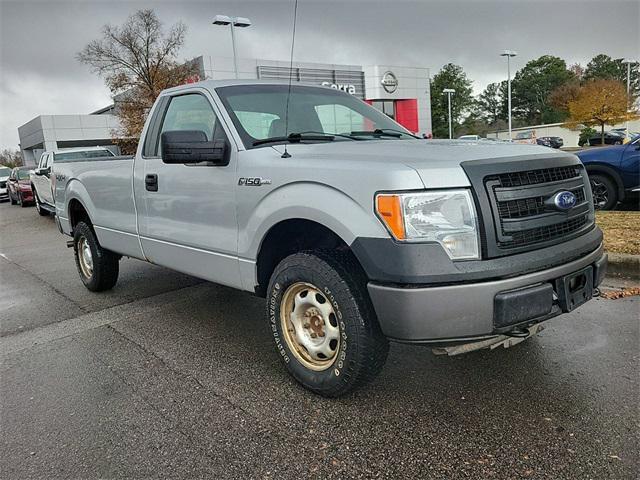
<point x="399" y="91"/>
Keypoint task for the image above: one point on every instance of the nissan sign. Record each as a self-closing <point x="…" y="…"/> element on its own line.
<point x="389" y="82"/>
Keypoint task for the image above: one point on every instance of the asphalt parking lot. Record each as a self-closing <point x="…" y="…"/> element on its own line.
<point x="167" y="376"/>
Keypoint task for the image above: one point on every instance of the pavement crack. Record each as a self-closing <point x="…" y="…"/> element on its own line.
<point x="183" y="374"/>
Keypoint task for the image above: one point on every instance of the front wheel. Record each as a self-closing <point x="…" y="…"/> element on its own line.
<point x="98" y="267"/>
<point x="11" y="199"/>
<point x="605" y="195"/>
<point x="323" y="323"/>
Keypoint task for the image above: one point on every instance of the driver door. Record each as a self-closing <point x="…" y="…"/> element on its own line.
<point x="187" y="218"/>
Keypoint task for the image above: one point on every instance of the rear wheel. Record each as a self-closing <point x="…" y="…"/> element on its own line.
<point x="98" y="267"/>
<point x="323" y="323"/>
<point x="41" y="211"/>
<point x="605" y="195"/>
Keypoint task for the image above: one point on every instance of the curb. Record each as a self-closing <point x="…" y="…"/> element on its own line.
<point x="624" y="265"/>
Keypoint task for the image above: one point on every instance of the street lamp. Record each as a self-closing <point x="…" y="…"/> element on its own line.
<point x="449" y="92"/>
<point x="628" y="62"/>
<point x="509" y="54"/>
<point x="239" y="22"/>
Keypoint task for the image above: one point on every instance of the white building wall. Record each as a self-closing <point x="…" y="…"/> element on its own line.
<point x="45" y="131"/>
<point x="569" y="136"/>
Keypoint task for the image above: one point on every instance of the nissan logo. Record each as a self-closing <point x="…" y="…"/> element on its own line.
<point x="389" y="82"/>
<point x="564" y="200"/>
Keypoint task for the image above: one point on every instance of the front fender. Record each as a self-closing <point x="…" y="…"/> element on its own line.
<point x="313" y="201"/>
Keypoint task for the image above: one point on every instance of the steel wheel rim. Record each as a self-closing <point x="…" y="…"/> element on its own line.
<point x="86" y="257"/>
<point x="310" y="326"/>
<point x="600" y="194"/>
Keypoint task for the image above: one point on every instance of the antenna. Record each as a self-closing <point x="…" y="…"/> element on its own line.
<point x="286" y="154"/>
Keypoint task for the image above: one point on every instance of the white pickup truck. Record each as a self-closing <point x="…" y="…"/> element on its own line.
<point x="41" y="175"/>
<point x="354" y="231"/>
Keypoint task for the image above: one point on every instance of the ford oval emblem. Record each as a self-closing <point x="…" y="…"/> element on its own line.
<point x="565" y="200"/>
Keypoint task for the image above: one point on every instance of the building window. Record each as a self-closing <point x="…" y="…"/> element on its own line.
<point x="385" y="106"/>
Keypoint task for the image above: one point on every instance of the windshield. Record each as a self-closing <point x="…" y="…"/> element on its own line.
<point x="82" y="154"/>
<point x="23" y="173"/>
<point x="5" y="172"/>
<point x="258" y="113"/>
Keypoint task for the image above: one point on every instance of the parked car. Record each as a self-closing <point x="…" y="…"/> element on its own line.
<point x="4" y="177"/>
<point x="610" y="138"/>
<point x="19" y="186"/>
<point x="41" y="177"/>
<point x="526" y="137"/>
<point x="552" y="142"/>
<point x="469" y="137"/>
<point x="354" y="230"/>
<point x="614" y="173"/>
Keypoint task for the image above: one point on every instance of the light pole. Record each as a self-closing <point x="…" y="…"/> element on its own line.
<point x="628" y="62"/>
<point x="449" y="92"/>
<point x="239" y="22"/>
<point x="509" y="54"/>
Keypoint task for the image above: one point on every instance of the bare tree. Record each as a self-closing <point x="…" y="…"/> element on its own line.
<point x="137" y="61"/>
<point x="11" y="158"/>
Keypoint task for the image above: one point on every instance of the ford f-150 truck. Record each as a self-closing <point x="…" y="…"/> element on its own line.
<point x="355" y="231"/>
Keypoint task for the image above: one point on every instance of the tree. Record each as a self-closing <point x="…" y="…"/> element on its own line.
<point x="563" y="94"/>
<point x="137" y="61"/>
<point x="489" y="103"/>
<point x="600" y="102"/>
<point x="532" y="86"/>
<point x="450" y="76"/>
<point x="604" y="67"/>
<point x="11" y="158"/>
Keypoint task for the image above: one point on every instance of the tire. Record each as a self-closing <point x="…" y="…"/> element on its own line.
<point x="604" y="190"/>
<point x="11" y="199"/>
<point x="41" y="211"/>
<point x="98" y="268"/>
<point x="346" y="317"/>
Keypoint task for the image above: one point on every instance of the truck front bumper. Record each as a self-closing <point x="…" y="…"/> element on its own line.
<point x="463" y="311"/>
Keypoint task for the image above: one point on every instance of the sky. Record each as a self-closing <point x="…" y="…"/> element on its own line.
<point x="39" y="74"/>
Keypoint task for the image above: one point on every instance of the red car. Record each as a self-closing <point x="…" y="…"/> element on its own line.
<point x="19" y="187"/>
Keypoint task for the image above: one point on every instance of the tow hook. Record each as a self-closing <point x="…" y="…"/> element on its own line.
<point x="494" y="342"/>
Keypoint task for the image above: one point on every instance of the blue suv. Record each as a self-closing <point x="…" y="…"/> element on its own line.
<point x="614" y="173"/>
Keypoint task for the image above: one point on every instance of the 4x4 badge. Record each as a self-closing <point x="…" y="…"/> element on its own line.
<point x="253" y="181"/>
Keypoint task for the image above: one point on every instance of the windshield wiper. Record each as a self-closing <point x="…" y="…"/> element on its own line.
<point x="296" y="138"/>
<point x="384" y="132"/>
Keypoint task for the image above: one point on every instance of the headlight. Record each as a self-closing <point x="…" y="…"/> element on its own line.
<point x="444" y="216"/>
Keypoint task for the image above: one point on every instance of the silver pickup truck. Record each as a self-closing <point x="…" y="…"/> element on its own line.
<point x="355" y="231"/>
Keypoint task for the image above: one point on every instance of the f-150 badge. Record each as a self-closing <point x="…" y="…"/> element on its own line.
<point x="253" y="181"/>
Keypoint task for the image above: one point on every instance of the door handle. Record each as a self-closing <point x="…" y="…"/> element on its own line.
<point x="151" y="182"/>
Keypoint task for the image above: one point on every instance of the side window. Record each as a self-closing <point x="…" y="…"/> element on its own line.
<point x="43" y="160"/>
<point x="190" y="112"/>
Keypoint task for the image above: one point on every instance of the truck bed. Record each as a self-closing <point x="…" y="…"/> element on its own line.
<point x="104" y="186"/>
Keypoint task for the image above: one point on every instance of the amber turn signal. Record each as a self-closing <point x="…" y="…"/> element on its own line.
<point x="389" y="210"/>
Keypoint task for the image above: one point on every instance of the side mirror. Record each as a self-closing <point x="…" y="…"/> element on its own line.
<point x="41" y="171"/>
<point x="192" y="146"/>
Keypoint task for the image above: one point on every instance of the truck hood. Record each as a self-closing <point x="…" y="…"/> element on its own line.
<point x="437" y="162"/>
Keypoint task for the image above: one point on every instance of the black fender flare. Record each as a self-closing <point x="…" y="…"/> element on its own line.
<point x="611" y="172"/>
